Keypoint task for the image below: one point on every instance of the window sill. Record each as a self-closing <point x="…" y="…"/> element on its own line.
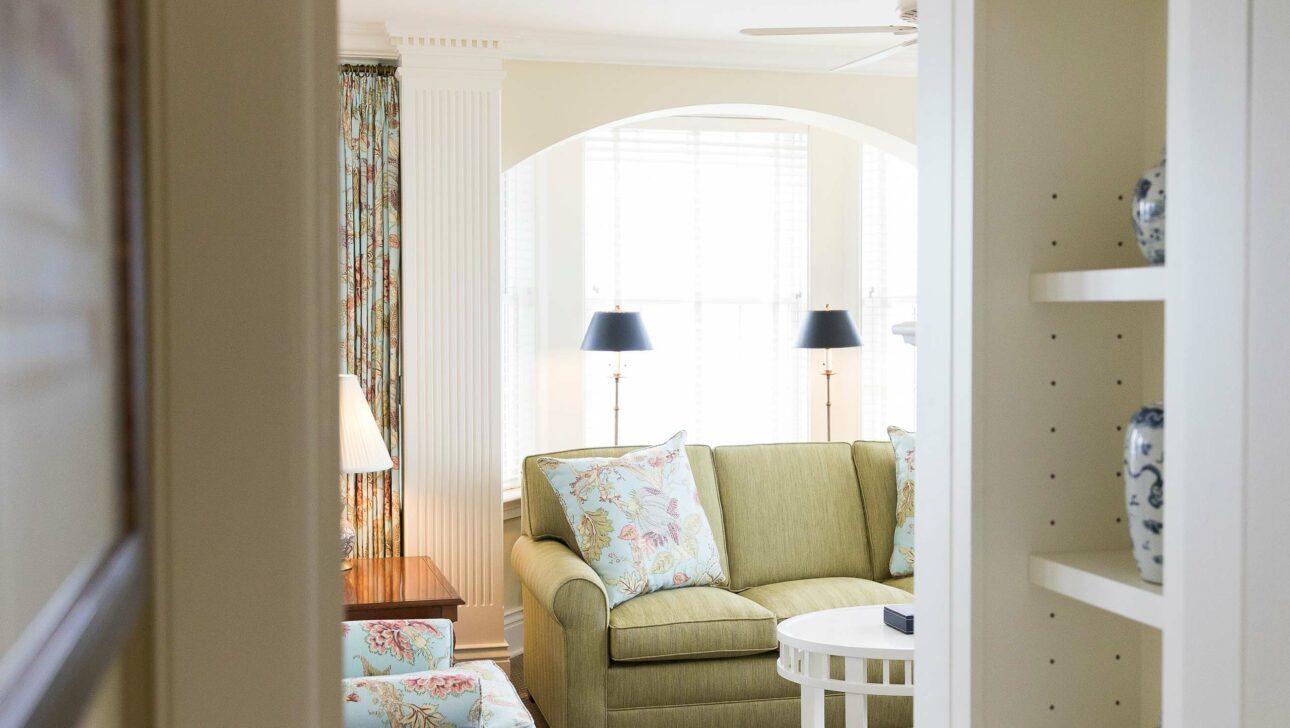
<point x="510" y="502"/>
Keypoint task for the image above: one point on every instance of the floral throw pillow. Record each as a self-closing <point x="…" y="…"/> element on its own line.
<point x="638" y="520"/>
<point x="902" y="555"/>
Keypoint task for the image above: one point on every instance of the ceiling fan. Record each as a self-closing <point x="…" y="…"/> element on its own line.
<point x="906" y="9"/>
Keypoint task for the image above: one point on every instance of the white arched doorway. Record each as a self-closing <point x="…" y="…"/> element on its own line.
<point x="887" y="141"/>
<point x="561" y="296"/>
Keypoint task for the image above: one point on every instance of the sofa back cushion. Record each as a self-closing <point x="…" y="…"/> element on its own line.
<point x="541" y="515"/>
<point x="876" y="466"/>
<point x="791" y="511"/>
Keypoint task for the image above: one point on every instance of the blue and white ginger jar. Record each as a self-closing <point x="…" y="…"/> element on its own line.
<point x="1144" y="489"/>
<point x="1149" y="213"/>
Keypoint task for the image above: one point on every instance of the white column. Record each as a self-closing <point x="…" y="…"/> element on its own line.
<point x="449" y="116"/>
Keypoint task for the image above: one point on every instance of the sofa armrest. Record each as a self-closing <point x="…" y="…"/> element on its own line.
<point x="562" y="583"/>
<point x="395" y="646"/>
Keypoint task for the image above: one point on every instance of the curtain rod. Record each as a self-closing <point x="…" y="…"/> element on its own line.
<point x="377" y="69"/>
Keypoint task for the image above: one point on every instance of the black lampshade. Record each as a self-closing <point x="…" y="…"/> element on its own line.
<point x="828" y="329"/>
<point x="616" y="331"/>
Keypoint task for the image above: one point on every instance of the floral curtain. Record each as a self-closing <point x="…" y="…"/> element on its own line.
<point x="370" y="291"/>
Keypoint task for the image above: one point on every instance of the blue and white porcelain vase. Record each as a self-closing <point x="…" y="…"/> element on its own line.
<point x="1149" y="213"/>
<point x="1144" y="489"/>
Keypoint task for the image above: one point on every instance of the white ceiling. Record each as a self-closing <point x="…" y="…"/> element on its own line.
<point x="669" y="32"/>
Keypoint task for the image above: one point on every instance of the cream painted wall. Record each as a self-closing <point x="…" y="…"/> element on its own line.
<point x="545" y="103"/>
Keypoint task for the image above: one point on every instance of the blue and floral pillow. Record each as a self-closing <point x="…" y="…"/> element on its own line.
<point x="638" y="520"/>
<point x="902" y="553"/>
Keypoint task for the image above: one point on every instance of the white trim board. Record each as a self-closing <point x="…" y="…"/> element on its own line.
<point x="513" y="621"/>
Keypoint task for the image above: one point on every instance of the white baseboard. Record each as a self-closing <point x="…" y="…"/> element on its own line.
<point x="498" y="652"/>
<point x="513" y="626"/>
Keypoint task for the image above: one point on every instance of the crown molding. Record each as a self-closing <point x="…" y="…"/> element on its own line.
<point x="386" y="41"/>
<point x="365" y="41"/>
<point x="690" y="52"/>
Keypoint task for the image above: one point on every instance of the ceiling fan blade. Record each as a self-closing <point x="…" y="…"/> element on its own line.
<point x="874" y="57"/>
<point x="837" y="30"/>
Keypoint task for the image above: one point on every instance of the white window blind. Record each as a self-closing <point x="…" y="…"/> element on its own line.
<point x="519" y="325"/>
<point x="889" y="291"/>
<point x="706" y="233"/>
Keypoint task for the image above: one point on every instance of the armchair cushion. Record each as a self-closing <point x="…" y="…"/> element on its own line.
<point x="502" y="707"/>
<point x="440" y="698"/>
<point x="395" y="646"/>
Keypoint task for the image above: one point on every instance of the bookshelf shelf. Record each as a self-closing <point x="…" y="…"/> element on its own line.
<point x="1111" y="284"/>
<point x="1105" y="579"/>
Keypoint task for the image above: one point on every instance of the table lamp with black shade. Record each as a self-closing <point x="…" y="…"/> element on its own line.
<point x="616" y="331"/>
<point x="828" y="329"/>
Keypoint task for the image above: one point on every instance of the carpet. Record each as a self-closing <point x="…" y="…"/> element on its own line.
<point x="517" y="679"/>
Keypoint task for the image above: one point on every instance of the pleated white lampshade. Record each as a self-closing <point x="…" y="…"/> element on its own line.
<point x="362" y="449"/>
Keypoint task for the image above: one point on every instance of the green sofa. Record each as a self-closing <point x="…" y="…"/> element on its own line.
<point x="801" y="527"/>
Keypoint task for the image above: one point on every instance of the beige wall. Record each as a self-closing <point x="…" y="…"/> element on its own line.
<point x="241" y="217"/>
<point x="546" y="103"/>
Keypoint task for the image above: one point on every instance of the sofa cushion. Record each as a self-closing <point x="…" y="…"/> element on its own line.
<point x="791" y="598"/>
<point x="876" y="466"/>
<point x="686" y="624"/>
<point x="904" y="583"/>
<point x="902" y="556"/>
<point x="793" y="511"/>
<point x="638" y="519"/>
<point x="541" y="515"/>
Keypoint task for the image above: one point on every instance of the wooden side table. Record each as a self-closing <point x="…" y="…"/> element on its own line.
<point x="408" y="587"/>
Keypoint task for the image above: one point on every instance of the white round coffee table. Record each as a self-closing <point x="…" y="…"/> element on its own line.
<point x="857" y="635"/>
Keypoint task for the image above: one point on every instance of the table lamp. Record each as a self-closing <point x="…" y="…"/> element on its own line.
<point x="828" y="330"/>
<point x="616" y="331"/>
<point x="362" y="449"/>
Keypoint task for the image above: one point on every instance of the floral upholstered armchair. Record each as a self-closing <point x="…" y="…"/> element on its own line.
<point x="400" y="674"/>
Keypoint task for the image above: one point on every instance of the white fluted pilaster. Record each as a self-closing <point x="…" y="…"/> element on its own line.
<point x="450" y="138"/>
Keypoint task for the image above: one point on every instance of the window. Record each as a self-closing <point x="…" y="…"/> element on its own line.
<point x="705" y="232"/>
<point x="704" y="225"/>
<point x="519" y="324"/>
<point x="889" y="291"/>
